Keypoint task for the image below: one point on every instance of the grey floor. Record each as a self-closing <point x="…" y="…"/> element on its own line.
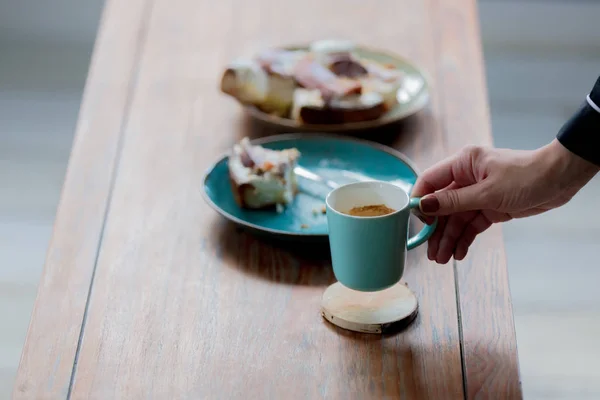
<point x="542" y="57"/>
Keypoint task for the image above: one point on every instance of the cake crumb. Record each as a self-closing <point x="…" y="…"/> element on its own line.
<point x="319" y="211"/>
<point x="304" y="226"/>
<point x="279" y="208"/>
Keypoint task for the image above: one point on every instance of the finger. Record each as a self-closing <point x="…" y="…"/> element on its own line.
<point x="434" y="241"/>
<point x="424" y="218"/>
<point x="454" y="229"/>
<point x="478" y="225"/>
<point x="435" y="178"/>
<point x="429" y="219"/>
<point x="446" y="202"/>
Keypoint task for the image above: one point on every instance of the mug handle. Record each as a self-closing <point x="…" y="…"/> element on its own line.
<point x="425" y="233"/>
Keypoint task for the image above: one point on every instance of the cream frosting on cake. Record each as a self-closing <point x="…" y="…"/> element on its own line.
<point x="262" y="177"/>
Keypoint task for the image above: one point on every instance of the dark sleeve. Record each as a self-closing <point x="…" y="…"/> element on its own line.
<point x="581" y="133"/>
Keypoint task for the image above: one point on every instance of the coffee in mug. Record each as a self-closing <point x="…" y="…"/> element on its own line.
<point x="368" y="234"/>
<point x="370" y="211"/>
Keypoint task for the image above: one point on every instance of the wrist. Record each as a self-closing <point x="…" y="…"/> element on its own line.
<point x="563" y="166"/>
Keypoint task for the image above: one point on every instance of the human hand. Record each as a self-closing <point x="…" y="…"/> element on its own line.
<point x="480" y="186"/>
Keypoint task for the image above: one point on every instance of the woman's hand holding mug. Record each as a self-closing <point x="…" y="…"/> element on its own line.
<point x="481" y="186"/>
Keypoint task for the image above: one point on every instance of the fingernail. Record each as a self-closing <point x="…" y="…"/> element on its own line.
<point x="429" y="204"/>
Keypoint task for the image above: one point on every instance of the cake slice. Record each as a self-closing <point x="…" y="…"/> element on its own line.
<point x="310" y="108"/>
<point x="324" y="49"/>
<point x="312" y="75"/>
<point x="387" y="90"/>
<point x="305" y="98"/>
<point x="246" y="81"/>
<point x="279" y="65"/>
<point x="262" y="178"/>
<point x="383" y="79"/>
<point x="280" y="61"/>
<point x="251" y="84"/>
<point x="385" y="73"/>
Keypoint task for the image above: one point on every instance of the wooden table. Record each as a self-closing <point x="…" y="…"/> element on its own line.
<point x="147" y="293"/>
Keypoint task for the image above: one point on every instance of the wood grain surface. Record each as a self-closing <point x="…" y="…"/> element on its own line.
<point x="50" y="348"/>
<point x="183" y="305"/>
<point x="482" y="278"/>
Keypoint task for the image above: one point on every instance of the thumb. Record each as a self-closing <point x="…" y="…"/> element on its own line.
<point x="450" y="201"/>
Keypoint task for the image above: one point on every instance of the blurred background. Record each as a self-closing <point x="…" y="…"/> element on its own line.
<point x="542" y="58"/>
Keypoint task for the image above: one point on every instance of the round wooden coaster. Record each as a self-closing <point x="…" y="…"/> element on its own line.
<point x="369" y="312"/>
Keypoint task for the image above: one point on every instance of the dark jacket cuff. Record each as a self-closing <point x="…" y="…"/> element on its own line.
<point x="581" y="133"/>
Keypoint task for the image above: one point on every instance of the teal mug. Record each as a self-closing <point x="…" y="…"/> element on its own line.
<point x="368" y="253"/>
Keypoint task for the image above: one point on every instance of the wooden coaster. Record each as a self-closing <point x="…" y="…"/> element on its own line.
<point x="369" y="312"/>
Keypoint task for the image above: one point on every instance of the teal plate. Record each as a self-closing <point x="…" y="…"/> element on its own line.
<point x="337" y="158"/>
